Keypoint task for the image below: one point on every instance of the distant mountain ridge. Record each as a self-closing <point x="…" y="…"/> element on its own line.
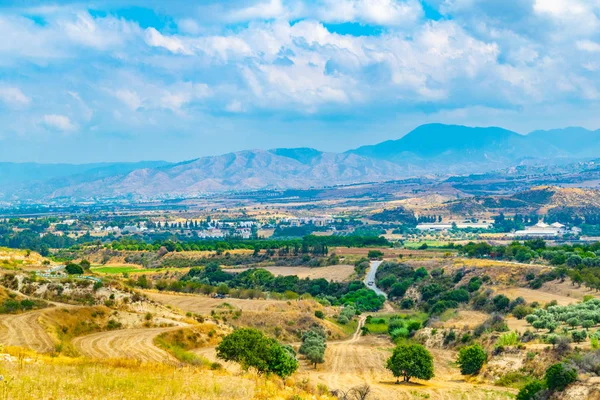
<point x="427" y="150"/>
<point x="457" y="149"/>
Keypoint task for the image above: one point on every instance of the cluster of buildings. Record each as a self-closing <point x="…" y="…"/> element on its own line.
<point x="458" y="225"/>
<point x="543" y="230"/>
<point x="316" y="221"/>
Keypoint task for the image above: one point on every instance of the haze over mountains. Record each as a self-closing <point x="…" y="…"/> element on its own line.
<point x="429" y="149"/>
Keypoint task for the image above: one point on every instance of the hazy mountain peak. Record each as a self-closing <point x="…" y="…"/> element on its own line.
<point x="427" y="150"/>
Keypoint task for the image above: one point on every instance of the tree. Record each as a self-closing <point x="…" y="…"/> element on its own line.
<point x="316" y="355"/>
<point x="411" y="360"/>
<point x="501" y="302"/>
<point x="471" y="359"/>
<point x="529" y="391"/>
<point x="579" y="336"/>
<point x="73" y="269"/>
<point x="313" y="346"/>
<point x="559" y="376"/>
<point x="251" y="349"/>
<point x="521" y="311"/>
<point x="85" y="264"/>
<point x="375" y="254"/>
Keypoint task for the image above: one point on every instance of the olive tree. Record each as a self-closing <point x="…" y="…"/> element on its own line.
<point x="411" y="360"/>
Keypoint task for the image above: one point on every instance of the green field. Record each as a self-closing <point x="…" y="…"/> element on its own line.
<point x="348" y="328"/>
<point x="429" y="243"/>
<point x="121" y="269"/>
<point x="379" y="322"/>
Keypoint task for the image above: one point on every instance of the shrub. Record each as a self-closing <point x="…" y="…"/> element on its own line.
<point x="530" y="391"/>
<point x="521" y="311"/>
<point x="407" y="303"/>
<point x="501" y="302"/>
<point x="579" y="336"/>
<point x="319" y="314"/>
<point x="375" y="254"/>
<point x="508" y="339"/>
<point x="559" y="376"/>
<point x="471" y="359"/>
<point x="73" y="269"/>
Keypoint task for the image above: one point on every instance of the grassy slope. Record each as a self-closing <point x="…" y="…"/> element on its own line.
<point x="29" y="376"/>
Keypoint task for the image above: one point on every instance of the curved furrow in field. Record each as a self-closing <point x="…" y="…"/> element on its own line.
<point x="24" y="330"/>
<point x="127" y="343"/>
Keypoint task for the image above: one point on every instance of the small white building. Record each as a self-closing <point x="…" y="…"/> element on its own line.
<point x="459" y="225"/>
<point x="542" y="230"/>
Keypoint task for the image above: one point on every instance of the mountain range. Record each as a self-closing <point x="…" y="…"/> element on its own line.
<point x="433" y="149"/>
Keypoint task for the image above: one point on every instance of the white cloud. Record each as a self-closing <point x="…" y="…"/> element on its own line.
<point x="13" y="97"/>
<point x="190" y="26"/>
<point x="176" y="97"/>
<point x="129" y="98"/>
<point x="99" y="33"/>
<point x="174" y="45"/>
<point x="559" y="8"/>
<point x="588" y="45"/>
<point x="235" y="106"/>
<point x="263" y="10"/>
<point x="285" y="57"/>
<point x="59" y="122"/>
<point x="379" y="12"/>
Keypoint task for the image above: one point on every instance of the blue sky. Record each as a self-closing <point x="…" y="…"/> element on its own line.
<point x="134" y="80"/>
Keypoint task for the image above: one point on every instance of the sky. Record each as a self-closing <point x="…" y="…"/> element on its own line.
<point x="129" y="80"/>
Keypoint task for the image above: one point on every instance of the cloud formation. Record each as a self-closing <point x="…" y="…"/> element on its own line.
<point x="118" y="72"/>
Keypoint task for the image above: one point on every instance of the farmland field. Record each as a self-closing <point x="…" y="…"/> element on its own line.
<point x="331" y="273"/>
<point x="127" y="269"/>
<point x="204" y="305"/>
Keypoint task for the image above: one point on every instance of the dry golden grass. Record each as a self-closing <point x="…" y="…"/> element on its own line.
<point x="204" y="305"/>
<point x="531" y="295"/>
<point x="464" y="319"/>
<point x="336" y="273"/>
<point x="20" y="259"/>
<point x="28" y="375"/>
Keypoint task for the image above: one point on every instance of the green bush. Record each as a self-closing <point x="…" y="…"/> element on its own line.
<point x="559" y="376"/>
<point x="471" y="359"/>
<point x="508" y="339"/>
<point x="529" y="391"/>
<point x="73" y="269"/>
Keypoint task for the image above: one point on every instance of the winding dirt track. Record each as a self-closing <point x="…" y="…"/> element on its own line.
<point x="127" y="343"/>
<point x="24" y="330"/>
<point x="361" y="359"/>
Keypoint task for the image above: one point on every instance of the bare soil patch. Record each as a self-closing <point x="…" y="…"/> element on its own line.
<point x="25" y="330"/>
<point x="335" y="273"/>
<point x="127" y="343"/>
<point x="531" y="295"/>
<point x="464" y="319"/>
<point x="204" y="305"/>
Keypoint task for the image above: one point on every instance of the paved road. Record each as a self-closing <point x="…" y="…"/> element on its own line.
<point x="371" y="278"/>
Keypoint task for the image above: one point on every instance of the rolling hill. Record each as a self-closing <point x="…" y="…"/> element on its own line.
<point x="459" y="149"/>
<point x="432" y="149"/>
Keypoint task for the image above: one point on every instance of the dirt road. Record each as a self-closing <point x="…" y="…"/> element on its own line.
<point x="24" y="330"/>
<point x="361" y="359"/>
<point x="126" y="343"/>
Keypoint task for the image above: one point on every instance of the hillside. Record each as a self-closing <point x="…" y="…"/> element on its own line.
<point x="245" y="170"/>
<point x="433" y="149"/>
<point x="542" y="199"/>
<point x="461" y="149"/>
